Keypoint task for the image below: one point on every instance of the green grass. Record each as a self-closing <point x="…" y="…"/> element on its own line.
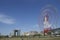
<point x="36" y="38"/>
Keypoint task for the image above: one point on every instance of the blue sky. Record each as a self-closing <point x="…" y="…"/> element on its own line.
<point x="23" y="14"/>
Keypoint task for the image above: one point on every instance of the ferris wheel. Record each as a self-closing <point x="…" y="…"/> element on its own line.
<point x="48" y="17"/>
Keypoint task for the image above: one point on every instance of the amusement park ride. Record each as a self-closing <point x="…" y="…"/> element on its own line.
<point x="49" y="13"/>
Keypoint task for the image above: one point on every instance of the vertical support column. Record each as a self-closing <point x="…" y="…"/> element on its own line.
<point x="18" y="33"/>
<point x="14" y="33"/>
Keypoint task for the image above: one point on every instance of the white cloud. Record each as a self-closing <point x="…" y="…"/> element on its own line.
<point x="6" y="19"/>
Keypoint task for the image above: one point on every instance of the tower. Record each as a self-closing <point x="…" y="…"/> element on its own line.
<point x="46" y="24"/>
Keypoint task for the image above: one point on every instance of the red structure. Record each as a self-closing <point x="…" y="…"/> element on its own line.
<point x="46" y="24"/>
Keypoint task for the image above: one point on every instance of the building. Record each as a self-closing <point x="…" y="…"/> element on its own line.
<point x="15" y="33"/>
<point x="55" y="32"/>
<point x="30" y="33"/>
